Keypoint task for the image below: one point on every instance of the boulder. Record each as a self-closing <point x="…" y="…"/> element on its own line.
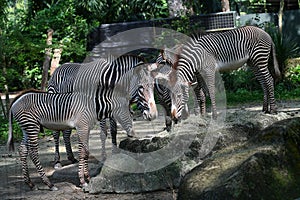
<point x="266" y="166"/>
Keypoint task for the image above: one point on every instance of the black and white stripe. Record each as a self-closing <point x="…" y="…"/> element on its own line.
<point x="229" y="50"/>
<point x="79" y="110"/>
<point x="85" y="77"/>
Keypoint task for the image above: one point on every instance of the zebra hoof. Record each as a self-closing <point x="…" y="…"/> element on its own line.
<point x="131" y="134"/>
<point x="273" y="112"/>
<point x="58" y="166"/>
<point x="167" y="128"/>
<point x="53" y="188"/>
<point x="85" y="187"/>
<point x="34" y="188"/>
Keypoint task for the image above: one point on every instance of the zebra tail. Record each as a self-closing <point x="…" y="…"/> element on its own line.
<point x="10" y="141"/>
<point x="275" y="63"/>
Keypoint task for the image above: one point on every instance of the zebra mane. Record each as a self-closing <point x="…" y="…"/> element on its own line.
<point x="21" y="93"/>
<point x="112" y="59"/>
<point x="175" y="64"/>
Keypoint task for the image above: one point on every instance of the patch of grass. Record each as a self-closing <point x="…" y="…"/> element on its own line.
<point x="243" y="96"/>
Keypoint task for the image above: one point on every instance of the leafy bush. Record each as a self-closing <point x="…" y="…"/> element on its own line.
<point x="4" y="130"/>
<point x="17" y="132"/>
<point x="242" y="78"/>
<point x="293" y="74"/>
<point x="286" y="47"/>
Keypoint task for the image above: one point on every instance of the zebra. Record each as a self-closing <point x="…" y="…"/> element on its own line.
<point x="229" y="50"/>
<point x="165" y="62"/>
<point x="63" y="80"/>
<point x="162" y="92"/>
<point x="34" y="110"/>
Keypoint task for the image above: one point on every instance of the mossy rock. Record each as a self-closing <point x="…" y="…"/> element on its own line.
<point x="265" y="167"/>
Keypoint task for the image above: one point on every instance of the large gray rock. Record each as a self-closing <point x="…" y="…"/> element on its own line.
<point x="267" y="166"/>
<point x="217" y="158"/>
<point x="147" y="178"/>
<point x="112" y="180"/>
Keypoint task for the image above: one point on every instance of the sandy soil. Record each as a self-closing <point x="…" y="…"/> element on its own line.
<point x="66" y="179"/>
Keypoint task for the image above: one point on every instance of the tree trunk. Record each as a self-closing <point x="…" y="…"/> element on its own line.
<point x="280" y="14"/>
<point x="225" y="5"/>
<point x="176" y="8"/>
<point x="5" y="108"/>
<point x="46" y="63"/>
<point x="55" y="60"/>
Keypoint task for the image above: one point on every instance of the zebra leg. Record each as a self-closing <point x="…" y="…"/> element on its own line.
<point x="113" y="132"/>
<point x="200" y="94"/>
<point x="197" y="109"/>
<point x="34" y="156"/>
<point x="23" y="152"/>
<point x="57" y="163"/>
<point x="266" y="81"/>
<point x="210" y="81"/>
<point x="168" y="118"/>
<point x="168" y="121"/>
<point x="83" y="149"/>
<point x="202" y="102"/>
<point x="103" y="135"/>
<point x="270" y="91"/>
<point x="67" y="141"/>
<point x="273" y="108"/>
<point x="122" y="115"/>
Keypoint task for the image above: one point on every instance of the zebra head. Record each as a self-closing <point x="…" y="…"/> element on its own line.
<point x="177" y="89"/>
<point x="146" y="82"/>
<point x="140" y="83"/>
<point x="179" y="97"/>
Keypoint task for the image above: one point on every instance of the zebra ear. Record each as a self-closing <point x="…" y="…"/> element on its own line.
<point x="160" y="76"/>
<point x="152" y="66"/>
<point x="172" y="54"/>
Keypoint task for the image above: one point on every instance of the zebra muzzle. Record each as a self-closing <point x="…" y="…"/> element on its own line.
<point x="174" y="115"/>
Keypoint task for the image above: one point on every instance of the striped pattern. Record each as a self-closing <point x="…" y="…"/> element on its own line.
<point x="85" y="78"/>
<point x="63" y="111"/>
<point x="31" y="112"/>
<point x="163" y="93"/>
<point x="229" y="50"/>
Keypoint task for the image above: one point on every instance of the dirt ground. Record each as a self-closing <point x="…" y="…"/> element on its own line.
<point x="66" y="179"/>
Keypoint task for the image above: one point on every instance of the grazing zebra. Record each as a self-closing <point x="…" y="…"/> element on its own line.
<point x="61" y="111"/>
<point x="229" y="50"/>
<point x="165" y="60"/>
<point x="169" y="57"/>
<point x="162" y="92"/>
<point x="63" y="80"/>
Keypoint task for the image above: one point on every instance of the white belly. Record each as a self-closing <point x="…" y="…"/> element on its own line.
<point x="56" y="126"/>
<point x="228" y="66"/>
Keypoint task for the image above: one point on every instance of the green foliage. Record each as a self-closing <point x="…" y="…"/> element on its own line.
<point x="110" y="11"/>
<point x="4" y="131"/>
<point x="203" y="7"/>
<point x="70" y="30"/>
<point x="23" y="40"/>
<point x="286" y="48"/>
<point x="242" y="78"/>
<point x="293" y="75"/>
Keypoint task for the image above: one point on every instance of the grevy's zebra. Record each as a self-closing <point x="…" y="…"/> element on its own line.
<point x="60" y="111"/>
<point x="229" y="50"/>
<point x="162" y="92"/>
<point x="63" y="79"/>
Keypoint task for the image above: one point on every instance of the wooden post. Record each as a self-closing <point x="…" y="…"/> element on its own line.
<point x="55" y="60"/>
<point x="225" y="5"/>
<point x="46" y="63"/>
